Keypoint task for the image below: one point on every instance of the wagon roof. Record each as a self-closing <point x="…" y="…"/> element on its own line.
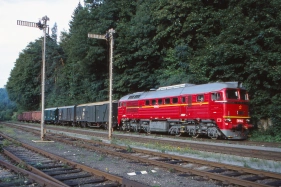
<point x="96" y="103"/>
<point x="182" y="89"/>
<point x="54" y="108"/>
<point x="71" y="106"/>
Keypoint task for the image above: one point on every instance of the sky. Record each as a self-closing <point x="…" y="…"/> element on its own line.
<point x="15" y="38"/>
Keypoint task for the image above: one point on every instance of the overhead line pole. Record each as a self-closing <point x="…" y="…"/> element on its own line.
<point x="108" y="36"/>
<point x="44" y="27"/>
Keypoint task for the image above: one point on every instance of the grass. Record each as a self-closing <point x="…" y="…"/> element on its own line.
<point x="263" y="136"/>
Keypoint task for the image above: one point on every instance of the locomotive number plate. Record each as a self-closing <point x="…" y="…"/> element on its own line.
<point x="239" y="120"/>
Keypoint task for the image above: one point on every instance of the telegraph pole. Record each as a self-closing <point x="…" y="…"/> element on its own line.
<point x="42" y="26"/>
<point x="109" y="37"/>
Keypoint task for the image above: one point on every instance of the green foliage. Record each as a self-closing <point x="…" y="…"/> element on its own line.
<point x="7" y="107"/>
<point x="266" y="136"/>
<point x="158" y="43"/>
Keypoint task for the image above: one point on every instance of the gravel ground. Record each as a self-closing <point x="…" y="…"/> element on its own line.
<point x="154" y="177"/>
<point x="254" y="163"/>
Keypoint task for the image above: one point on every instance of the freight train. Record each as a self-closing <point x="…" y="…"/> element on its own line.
<point x="84" y="115"/>
<point x="216" y="110"/>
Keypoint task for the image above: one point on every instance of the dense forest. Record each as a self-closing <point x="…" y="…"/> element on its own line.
<point x="157" y="43"/>
<point x="7" y="107"/>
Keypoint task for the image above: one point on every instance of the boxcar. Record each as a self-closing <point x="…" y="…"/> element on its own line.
<point x="51" y="115"/>
<point x="67" y="115"/>
<point x="96" y="114"/>
<point x="36" y="116"/>
<point x="20" y="117"/>
<point x="27" y="116"/>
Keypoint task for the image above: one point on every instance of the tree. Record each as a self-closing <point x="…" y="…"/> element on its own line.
<point x="7" y="107"/>
<point x="54" y="34"/>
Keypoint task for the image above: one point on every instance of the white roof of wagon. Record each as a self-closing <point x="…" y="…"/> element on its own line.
<point x="96" y="103"/>
<point x="53" y="108"/>
<point x="175" y="90"/>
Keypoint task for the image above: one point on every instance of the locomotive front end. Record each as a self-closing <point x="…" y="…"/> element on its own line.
<point x="236" y="119"/>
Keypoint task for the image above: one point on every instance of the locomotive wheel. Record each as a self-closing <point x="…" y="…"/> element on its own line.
<point x="178" y="134"/>
<point x="196" y="135"/>
<point x="214" y="138"/>
<point x="136" y="129"/>
<point x="123" y="127"/>
<point x="213" y="133"/>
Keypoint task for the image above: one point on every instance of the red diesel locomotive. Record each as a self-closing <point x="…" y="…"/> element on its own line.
<point x="218" y="110"/>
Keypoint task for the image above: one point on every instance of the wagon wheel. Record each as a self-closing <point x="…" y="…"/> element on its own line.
<point x="83" y="124"/>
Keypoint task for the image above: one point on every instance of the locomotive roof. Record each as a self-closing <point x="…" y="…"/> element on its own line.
<point x="177" y="90"/>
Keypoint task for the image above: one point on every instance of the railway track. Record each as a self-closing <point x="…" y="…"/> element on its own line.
<point x="12" y="175"/>
<point x="259" y="152"/>
<point x="58" y="171"/>
<point x="226" y="174"/>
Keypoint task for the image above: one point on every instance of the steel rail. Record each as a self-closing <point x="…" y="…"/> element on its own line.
<point x="224" y="179"/>
<point x="124" y="182"/>
<point x="198" y="161"/>
<point x="253" y="153"/>
<point x="33" y="169"/>
<point x="37" y="178"/>
<point x="200" y="146"/>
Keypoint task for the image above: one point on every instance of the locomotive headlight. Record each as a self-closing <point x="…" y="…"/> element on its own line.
<point x="227" y="120"/>
<point x="248" y="120"/>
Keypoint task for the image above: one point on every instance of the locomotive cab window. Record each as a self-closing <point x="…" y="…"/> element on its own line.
<point x="147" y="102"/>
<point x="216" y="96"/>
<point x="232" y="94"/>
<point x="175" y="100"/>
<point x="200" y="98"/>
<point x="167" y="101"/>
<point x="243" y="95"/>
<point x="154" y="102"/>
<point x="183" y="100"/>
<point x="160" y="101"/>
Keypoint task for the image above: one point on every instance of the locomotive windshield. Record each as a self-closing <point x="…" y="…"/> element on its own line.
<point x="244" y="95"/>
<point x="234" y="94"/>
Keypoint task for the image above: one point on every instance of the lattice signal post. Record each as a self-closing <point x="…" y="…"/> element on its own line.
<point x="109" y="37"/>
<point x="42" y="26"/>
